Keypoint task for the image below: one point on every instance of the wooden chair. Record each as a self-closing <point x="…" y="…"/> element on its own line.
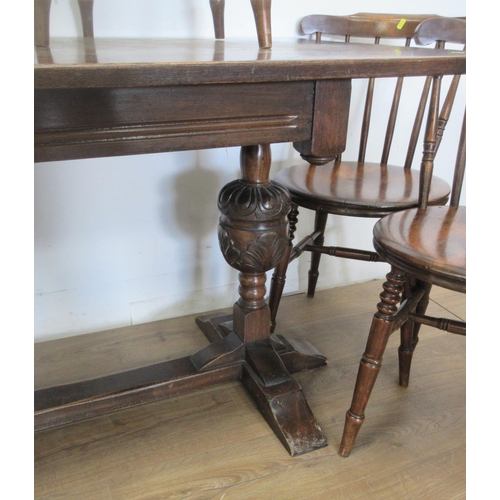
<point x="357" y="188"/>
<point x="261" y="10"/>
<point x="425" y="246"/>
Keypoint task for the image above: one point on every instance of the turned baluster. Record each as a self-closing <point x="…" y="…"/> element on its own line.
<point x="253" y="237"/>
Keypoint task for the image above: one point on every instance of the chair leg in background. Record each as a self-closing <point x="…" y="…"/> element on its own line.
<point x="277" y="286"/>
<point x="409" y="338"/>
<point x="319" y="225"/>
<point x="279" y="276"/>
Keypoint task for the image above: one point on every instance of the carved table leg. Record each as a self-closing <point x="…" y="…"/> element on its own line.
<point x="253" y="239"/>
<point x="296" y="354"/>
<point x="280" y="399"/>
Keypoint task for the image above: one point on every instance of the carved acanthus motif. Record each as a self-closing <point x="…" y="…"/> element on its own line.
<point x="261" y="255"/>
<point x="241" y="201"/>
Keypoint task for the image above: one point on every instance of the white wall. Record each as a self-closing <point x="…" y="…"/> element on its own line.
<point x="127" y="240"/>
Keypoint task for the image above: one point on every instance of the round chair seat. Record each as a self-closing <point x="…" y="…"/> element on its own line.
<point x="357" y="189"/>
<point x="430" y="244"/>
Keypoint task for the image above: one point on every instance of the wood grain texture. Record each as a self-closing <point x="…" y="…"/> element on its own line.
<point x="152" y="62"/>
<point x="339" y="188"/>
<point x="83" y="123"/>
<point x="214" y="444"/>
<point x="404" y="237"/>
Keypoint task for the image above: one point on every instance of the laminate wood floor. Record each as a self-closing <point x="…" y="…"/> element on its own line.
<point x="214" y="444"/>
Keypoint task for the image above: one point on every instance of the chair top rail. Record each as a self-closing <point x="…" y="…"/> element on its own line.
<point x="364" y="25"/>
<point x="449" y="30"/>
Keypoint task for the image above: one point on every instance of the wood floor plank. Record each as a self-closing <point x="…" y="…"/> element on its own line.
<point x="75" y="358"/>
<point x="214" y="444"/>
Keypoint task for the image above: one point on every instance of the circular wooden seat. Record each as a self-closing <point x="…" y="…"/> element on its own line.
<point x="429" y="244"/>
<point x="359" y="189"/>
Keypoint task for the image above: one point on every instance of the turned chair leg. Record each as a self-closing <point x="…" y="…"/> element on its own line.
<point x="409" y="337"/>
<point x="42" y="22"/>
<point x="319" y="225"/>
<point x="87" y="16"/>
<point x="262" y="14"/>
<point x="371" y="362"/>
<point x="217" y="7"/>
<point x="279" y="276"/>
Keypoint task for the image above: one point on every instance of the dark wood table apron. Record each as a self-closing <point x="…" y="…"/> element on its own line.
<point x="96" y="98"/>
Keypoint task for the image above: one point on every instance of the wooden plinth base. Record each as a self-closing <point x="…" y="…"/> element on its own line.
<point x="263" y="366"/>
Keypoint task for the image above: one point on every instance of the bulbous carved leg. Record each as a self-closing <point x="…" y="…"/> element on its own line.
<point x="253" y="237"/>
<point x="371" y="362"/>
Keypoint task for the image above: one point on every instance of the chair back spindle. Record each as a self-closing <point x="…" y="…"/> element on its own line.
<point x="417" y="124"/>
<point x="430" y="144"/>
<point x="436" y="31"/>
<point x="458" y="178"/>
<point x="391" y="124"/>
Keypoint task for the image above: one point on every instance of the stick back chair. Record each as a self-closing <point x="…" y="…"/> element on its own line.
<point x="425" y="246"/>
<point x="357" y="188"/>
<point x="261" y="10"/>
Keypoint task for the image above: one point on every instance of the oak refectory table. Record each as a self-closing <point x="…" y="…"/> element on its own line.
<point x="111" y="97"/>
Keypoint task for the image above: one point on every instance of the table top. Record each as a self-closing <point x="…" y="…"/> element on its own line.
<point x="104" y="63"/>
